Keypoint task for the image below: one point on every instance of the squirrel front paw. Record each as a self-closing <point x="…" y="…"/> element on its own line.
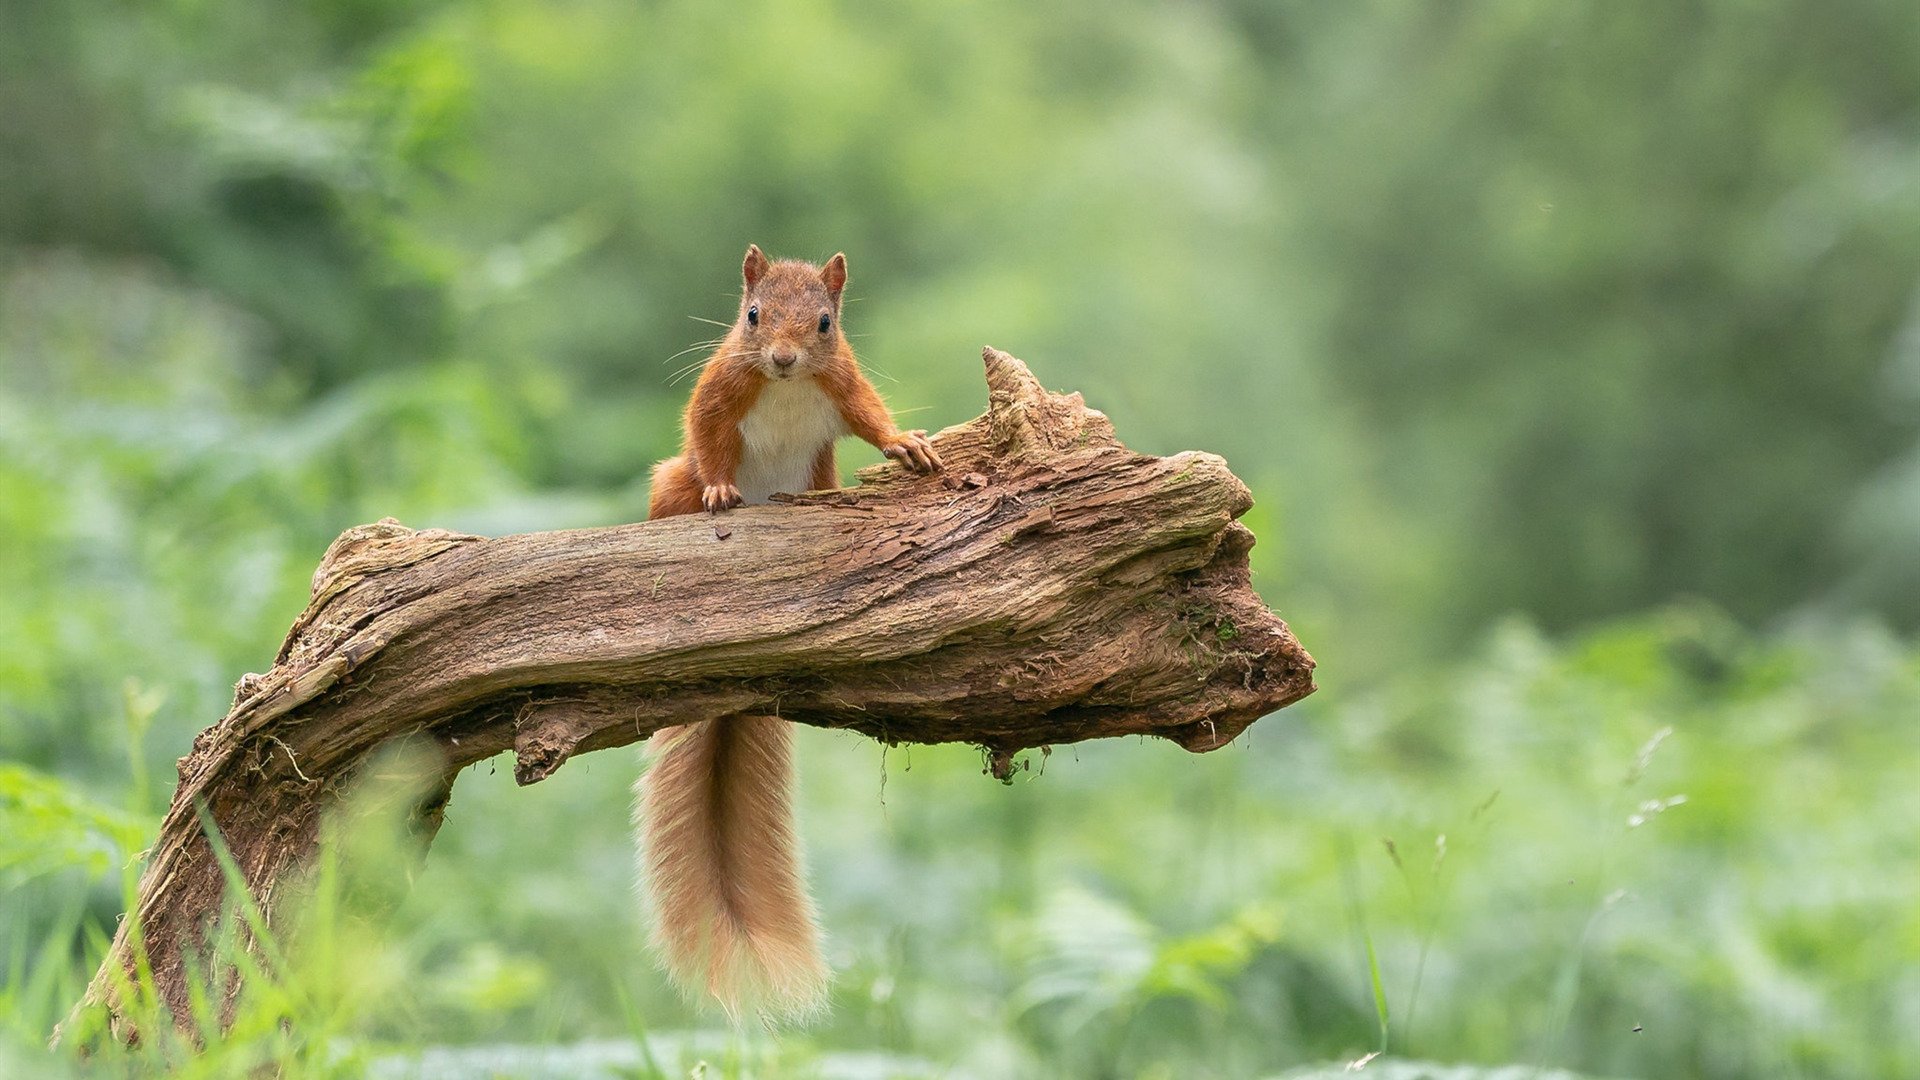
<point x="914" y="450"/>
<point x="718" y="497"/>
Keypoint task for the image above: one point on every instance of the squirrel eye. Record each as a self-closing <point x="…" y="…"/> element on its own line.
<point x="753" y="315"/>
<point x="826" y="322"/>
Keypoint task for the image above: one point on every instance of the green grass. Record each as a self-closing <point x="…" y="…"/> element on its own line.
<point x="1483" y="332"/>
<point x="1137" y="912"/>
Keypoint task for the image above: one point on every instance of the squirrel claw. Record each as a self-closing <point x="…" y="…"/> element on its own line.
<point x="914" y="450"/>
<point x="718" y="497"/>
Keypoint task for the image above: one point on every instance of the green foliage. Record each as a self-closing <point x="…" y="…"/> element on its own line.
<point x="1649" y="853"/>
<point x="1388" y="1069"/>
<point x="47" y="827"/>
<point x="1567" y="311"/>
<point x="1570" y="351"/>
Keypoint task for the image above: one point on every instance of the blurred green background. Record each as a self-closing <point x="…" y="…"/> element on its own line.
<point x="1572" y="352"/>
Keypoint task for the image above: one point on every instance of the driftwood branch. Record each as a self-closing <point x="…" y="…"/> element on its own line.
<point x="1050" y="586"/>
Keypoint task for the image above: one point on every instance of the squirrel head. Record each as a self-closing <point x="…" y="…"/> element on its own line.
<point x="789" y="325"/>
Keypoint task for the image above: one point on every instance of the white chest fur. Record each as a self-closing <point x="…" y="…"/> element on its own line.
<point x="780" y="436"/>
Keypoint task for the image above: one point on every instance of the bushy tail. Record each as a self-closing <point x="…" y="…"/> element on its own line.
<point x="732" y="917"/>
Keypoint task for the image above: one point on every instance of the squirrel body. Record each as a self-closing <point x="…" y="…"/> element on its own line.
<point x="720" y="854"/>
<point x="782" y="440"/>
<point x="781" y="387"/>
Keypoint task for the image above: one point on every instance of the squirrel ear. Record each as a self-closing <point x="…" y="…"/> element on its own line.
<point x="834" y="274"/>
<point x="755" y="265"/>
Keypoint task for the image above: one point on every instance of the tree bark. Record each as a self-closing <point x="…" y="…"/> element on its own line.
<point x="1049" y="586"/>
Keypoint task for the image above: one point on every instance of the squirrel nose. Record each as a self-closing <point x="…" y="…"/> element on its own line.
<point x="785" y="359"/>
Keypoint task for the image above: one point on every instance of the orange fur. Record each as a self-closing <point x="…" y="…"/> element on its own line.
<point x="732" y="915"/>
<point x="721" y="855"/>
<point x="826" y="473"/>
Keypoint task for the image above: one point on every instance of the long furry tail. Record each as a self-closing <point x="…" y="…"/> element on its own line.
<point x="721" y="858"/>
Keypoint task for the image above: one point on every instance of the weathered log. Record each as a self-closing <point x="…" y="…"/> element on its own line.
<point x="1049" y="586"/>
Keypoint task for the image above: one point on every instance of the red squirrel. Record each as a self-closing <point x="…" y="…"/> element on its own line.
<point x="782" y="386"/>
<point x="732" y="916"/>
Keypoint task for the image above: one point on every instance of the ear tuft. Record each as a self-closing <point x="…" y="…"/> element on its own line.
<point x="834" y="274"/>
<point x="755" y="265"/>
